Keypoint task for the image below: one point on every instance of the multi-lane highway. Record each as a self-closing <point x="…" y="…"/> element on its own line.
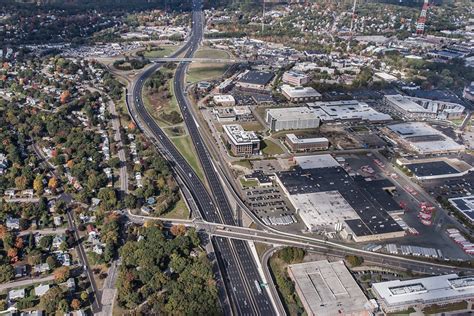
<point x="236" y="262"/>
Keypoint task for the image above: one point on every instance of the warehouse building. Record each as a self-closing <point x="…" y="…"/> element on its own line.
<point x="300" y="94"/>
<point x="295" y="78"/>
<point x="420" y="108"/>
<point x="306" y="144"/>
<point x="348" y="110"/>
<point x="224" y="100"/>
<point x="328" y="288"/>
<point x="465" y="206"/>
<point x="254" y="80"/>
<point x="395" y="296"/>
<point x="328" y="199"/>
<point x="436" y="168"/>
<point x="423" y="138"/>
<point x="241" y="142"/>
<point x="291" y="118"/>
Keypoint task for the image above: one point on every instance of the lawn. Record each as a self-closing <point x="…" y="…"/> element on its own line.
<point x="248" y="183"/>
<point x="160" y="52"/>
<point x="156" y="104"/>
<point x="212" y="53"/>
<point x="243" y="163"/>
<point x="270" y="148"/>
<point x="261" y="248"/>
<point x="254" y="126"/>
<point x="437" y="309"/>
<point x="200" y="72"/>
<point x="186" y="148"/>
<point x="180" y="211"/>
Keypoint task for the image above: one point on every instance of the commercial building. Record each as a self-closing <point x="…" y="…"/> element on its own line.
<point x="328" y="288"/>
<point x="291" y="118"/>
<point x="465" y="206"/>
<point x="468" y="92"/>
<point x="242" y="143"/>
<point x="420" y="108"/>
<point x="436" y="168"/>
<point x="394" y="296"/>
<point x="243" y="113"/>
<point x="230" y="114"/>
<point x="225" y="114"/>
<point x="224" y="100"/>
<point x="328" y="199"/>
<point x="306" y="144"/>
<point x="254" y="80"/>
<point x="348" y="110"/>
<point x="300" y="94"/>
<point x="423" y="139"/>
<point x="295" y="78"/>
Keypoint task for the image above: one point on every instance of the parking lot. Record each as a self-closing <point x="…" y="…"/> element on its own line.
<point x="269" y="203"/>
<point x="427" y="236"/>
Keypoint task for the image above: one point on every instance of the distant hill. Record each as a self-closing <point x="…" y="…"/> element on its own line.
<point x="106" y="4"/>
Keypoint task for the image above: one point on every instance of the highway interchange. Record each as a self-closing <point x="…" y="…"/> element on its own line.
<point x="237" y="265"/>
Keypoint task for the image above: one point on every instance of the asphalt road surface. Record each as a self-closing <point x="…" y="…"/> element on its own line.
<point x="236" y="262"/>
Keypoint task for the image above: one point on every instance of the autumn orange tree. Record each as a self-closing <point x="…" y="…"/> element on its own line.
<point x="178" y="230"/>
<point x="61" y="274"/>
<point x="75" y="304"/>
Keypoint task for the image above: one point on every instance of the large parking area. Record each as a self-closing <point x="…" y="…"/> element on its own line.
<point x="270" y="204"/>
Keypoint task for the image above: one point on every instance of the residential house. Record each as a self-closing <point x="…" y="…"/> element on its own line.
<point x="14" y="295"/>
<point x="20" y="271"/>
<point x="57" y="241"/>
<point x="64" y="258"/>
<point x="41" y="268"/>
<point x="10" y="193"/>
<point x="3" y="163"/>
<point x="41" y="289"/>
<point x="98" y="249"/>
<point x="12" y="223"/>
<point x="27" y="193"/>
<point x="58" y="220"/>
<point x="71" y="284"/>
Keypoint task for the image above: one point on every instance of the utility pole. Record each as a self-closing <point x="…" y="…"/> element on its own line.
<point x="263" y="17"/>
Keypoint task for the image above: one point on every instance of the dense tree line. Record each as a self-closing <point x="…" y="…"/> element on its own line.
<point x="159" y="273"/>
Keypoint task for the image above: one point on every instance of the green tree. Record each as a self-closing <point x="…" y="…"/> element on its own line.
<point x="354" y="261"/>
<point x="7" y="273"/>
<point x="50" y="301"/>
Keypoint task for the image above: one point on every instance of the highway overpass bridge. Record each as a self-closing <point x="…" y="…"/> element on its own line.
<point x="195" y="59"/>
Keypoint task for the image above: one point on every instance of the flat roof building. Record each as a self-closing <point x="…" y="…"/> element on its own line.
<point x="242" y="143"/>
<point x="327" y="288"/>
<point x="224" y="100"/>
<point x="225" y="114"/>
<point x="300" y="94"/>
<point x="399" y="295"/>
<point x="348" y="110"/>
<point x="254" y="80"/>
<point x="319" y="185"/>
<point x="465" y="205"/>
<point x="306" y="144"/>
<point x="423" y="138"/>
<point x="295" y="78"/>
<point x="420" y="108"/>
<point x="291" y="118"/>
